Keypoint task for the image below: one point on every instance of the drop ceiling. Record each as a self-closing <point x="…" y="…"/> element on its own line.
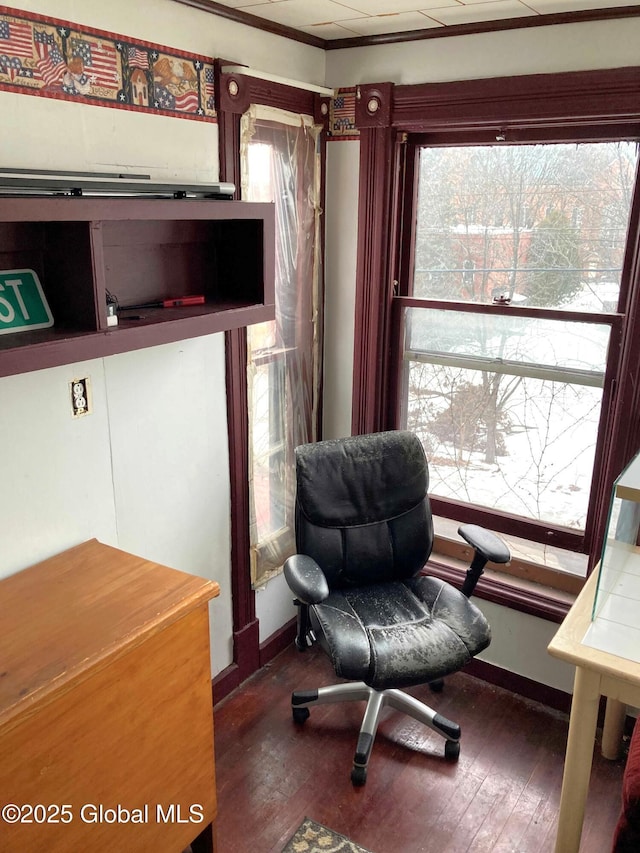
<point x="330" y="20"/>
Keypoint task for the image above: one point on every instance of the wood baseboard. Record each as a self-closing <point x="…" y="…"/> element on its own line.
<point x="552" y="697"/>
<point x="278" y="642"/>
<point x="233" y="676"/>
<point x="225" y="682"/>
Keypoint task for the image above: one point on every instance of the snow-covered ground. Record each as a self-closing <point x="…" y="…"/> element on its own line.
<point x="546" y="472"/>
<point x="553" y="412"/>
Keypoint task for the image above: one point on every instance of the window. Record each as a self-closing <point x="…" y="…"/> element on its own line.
<point x="281" y="164"/>
<point x="511" y="331"/>
<point x="412" y="299"/>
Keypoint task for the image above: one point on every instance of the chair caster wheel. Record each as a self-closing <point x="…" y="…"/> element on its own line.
<point x="452" y="750"/>
<point x="300" y="715"/>
<point x="437" y="686"/>
<point x="358" y="775"/>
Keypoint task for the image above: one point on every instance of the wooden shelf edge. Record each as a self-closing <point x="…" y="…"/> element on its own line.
<point x="73" y="347"/>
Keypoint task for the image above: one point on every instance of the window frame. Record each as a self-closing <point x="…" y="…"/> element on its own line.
<point x="294" y="353"/>
<point x="234" y="94"/>
<point x="394" y="121"/>
<point x="501" y="521"/>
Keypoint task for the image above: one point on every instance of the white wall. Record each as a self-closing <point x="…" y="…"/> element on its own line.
<point x="50" y="134"/>
<point x="56" y="483"/>
<point x="341" y="234"/>
<point x="169" y="462"/>
<point x="274" y="606"/>
<point x="148" y="471"/>
<point x="519" y="644"/>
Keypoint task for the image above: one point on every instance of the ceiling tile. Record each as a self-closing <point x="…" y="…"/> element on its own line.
<point x="403" y="22"/>
<point x="331" y="31"/>
<point x="493" y="10"/>
<point x="303" y="13"/>
<point x="477" y="2"/>
<point x="550" y="6"/>
<point x="245" y="5"/>
<point x="330" y="19"/>
<point x="387" y="7"/>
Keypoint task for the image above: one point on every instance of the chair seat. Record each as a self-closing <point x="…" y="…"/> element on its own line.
<point x="398" y="634"/>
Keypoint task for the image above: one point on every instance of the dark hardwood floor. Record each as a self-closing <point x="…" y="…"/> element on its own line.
<point x="501" y="796"/>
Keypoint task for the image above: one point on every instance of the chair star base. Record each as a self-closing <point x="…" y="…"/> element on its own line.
<point x="376" y="701"/>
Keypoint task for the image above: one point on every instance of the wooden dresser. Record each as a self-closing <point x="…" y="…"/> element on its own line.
<point x="106" y="722"/>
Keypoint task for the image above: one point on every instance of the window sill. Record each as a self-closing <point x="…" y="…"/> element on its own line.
<point x="541" y="565"/>
<point x="509" y="591"/>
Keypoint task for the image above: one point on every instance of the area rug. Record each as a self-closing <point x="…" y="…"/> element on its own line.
<point x="312" y="837"/>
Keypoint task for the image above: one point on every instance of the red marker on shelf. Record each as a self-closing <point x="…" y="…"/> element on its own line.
<point x="166" y="303"/>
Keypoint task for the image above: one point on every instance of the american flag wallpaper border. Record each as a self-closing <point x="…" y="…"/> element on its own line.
<point x="59" y="59"/>
<point x="342" y="115"/>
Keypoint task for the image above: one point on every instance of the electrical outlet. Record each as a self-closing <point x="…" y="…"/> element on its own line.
<point x="80" y="397"/>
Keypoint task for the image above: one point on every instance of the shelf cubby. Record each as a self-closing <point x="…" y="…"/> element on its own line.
<point x="140" y="250"/>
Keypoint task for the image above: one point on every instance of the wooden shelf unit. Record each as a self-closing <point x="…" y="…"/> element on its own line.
<point x="140" y="250"/>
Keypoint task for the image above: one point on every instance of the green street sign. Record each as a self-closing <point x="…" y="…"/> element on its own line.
<point x="23" y="305"/>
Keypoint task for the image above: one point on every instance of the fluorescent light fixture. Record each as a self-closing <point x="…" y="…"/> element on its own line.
<point x="272" y="78"/>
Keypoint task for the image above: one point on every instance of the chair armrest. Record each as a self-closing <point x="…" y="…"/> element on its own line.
<point x="487" y="547"/>
<point x="492" y="548"/>
<point x="306" y="579"/>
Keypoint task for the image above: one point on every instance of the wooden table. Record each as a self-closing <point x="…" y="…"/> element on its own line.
<point x="597" y="674"/>
<point x="106" y="722"/>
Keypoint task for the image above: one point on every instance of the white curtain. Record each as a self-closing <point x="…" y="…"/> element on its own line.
<point x="280" y="163"/>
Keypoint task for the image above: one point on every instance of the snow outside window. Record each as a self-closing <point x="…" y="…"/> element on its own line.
<point x="508" y="404"/>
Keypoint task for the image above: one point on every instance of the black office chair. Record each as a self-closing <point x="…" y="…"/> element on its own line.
<point x="364" y="533"/>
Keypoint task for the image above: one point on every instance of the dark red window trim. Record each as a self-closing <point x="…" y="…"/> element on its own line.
<point x="235" y="94"/>
<point x="595" y="105"/>
<point x="595" y="99"/>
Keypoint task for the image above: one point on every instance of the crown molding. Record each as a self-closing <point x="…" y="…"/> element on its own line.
<point x="481" y="27"/>
<point x="548" y="20"/>
<point x="258" y="23"/>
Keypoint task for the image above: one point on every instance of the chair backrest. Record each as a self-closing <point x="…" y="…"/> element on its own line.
<point x="362" y="510"/>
